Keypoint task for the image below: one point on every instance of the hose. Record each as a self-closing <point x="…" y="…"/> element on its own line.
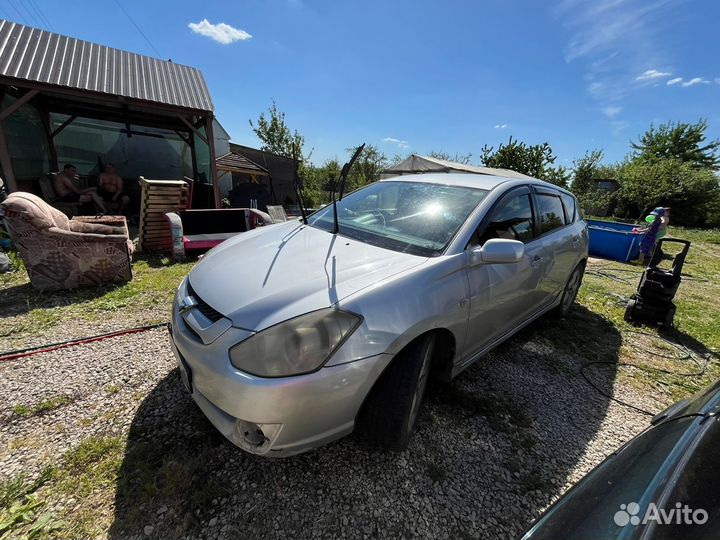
<point x="30" y="351"/>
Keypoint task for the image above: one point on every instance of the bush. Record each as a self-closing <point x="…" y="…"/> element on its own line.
<point x="667" y="182"/>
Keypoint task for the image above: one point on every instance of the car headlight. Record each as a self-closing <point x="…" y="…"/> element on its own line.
<point x="295" y="346"/>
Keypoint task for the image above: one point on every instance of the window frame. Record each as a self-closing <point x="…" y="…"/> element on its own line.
<point x="542" y="190"/>
<point x="516" y="191"/>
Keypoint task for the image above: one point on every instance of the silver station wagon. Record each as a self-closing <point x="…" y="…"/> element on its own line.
<point x="296" y="334"/>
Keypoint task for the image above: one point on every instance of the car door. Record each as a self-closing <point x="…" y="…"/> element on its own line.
<point x="558" y="238"/>
<point x="504" y="295"/>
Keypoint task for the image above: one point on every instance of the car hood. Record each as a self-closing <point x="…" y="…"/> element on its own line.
<point x="275" y="273"/>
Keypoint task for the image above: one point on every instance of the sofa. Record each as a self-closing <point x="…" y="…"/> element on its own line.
<point x="200" y="230"/>
<point x="62" y="253"/>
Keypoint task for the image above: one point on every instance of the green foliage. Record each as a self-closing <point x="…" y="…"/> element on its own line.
<point x="585" y="171"/>
<point x="370" y="163"/>
<point x="534" y="160"/>
<point x="21" y="513"/>
<point x="275" y="135"/>
<point x="679" y="141"/>
<point x="457" y="158"/>
<point x="646" y="184"/>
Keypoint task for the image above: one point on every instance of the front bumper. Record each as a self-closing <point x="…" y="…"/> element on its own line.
<point x="295" y="413"/>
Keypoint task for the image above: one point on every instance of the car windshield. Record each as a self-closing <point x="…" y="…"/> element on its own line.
<point x="412" y="217"/>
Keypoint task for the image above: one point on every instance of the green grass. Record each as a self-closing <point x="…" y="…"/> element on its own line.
<point x="146" y="299"/>
<point x="606" y="287"/>
<point x="23" y="513"/>
<point x="42" y="407"/>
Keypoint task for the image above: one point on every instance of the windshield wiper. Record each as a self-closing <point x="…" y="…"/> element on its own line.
<point x="341" y="181"/>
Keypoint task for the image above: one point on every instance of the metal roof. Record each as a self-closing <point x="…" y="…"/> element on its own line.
<point x="39" y="56"/>
<point x="233" y="161"/>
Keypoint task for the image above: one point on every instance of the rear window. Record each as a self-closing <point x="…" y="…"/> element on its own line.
<point x="569" y="204"/>
<point x="552" y="213"/>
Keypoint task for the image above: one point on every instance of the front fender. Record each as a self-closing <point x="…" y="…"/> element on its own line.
<point x="398" y="310"/>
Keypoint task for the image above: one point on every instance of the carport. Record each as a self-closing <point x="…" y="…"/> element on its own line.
<point x="63" y="99"/>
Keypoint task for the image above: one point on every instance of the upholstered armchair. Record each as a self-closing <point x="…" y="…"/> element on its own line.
<point x="60" y="253"/>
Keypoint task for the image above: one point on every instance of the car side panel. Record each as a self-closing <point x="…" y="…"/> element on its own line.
<point x="503" y="295"/>
<point x="434" y="295"/>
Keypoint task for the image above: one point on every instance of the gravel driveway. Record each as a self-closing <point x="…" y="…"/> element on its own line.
<point x="493" y="449"/>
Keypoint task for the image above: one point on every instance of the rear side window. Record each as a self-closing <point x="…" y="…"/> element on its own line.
<point x="512" y="220"/>
<point x="569" y="204"/>
<point x="552" y="214"/>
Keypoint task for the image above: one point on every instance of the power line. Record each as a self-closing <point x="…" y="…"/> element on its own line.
<point x="35" y="20"/>
<point x="138" y="28"/>
<point x="21" y="17"/>
<point x="40" y="13"/>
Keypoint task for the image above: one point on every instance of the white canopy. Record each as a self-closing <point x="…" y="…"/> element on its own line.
<point x="416" y="164"/>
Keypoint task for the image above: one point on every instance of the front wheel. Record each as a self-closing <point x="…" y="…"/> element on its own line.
<point x="390" y="411"/>
<point x="571" y="291"/>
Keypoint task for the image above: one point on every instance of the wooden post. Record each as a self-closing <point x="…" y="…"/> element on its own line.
<point x="211" y="149"/>
<point x="6" y="163"/>
<point x="45" y="116"/>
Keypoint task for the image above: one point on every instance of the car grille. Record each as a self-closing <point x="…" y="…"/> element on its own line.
<point x="204" y="307"/>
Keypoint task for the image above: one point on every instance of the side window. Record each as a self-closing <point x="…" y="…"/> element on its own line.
<point x="569" y="204"/>
<point x="550" y="209"/>
<point x="513" y="220"/>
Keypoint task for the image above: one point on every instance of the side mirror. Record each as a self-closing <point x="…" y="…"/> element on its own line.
<point x="498" y="251"/>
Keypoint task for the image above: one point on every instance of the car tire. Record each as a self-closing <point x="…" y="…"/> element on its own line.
<point x="389" y="414"/>
<point x="570" y="292"/>
<point x="629" y="310"/>
<point x="669" y="318"/>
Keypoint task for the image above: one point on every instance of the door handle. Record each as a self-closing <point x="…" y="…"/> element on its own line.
<point x="576" y="240"/>
<point x="537" y="259"/>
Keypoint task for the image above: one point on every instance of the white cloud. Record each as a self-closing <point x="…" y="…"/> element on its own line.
<point x="694" y="81"/>
<point x="221" y="32"/>
<point x="651" y="74"/>
<point x="615" y="41"/>
<point x="398" y="142"/>
<point x="676" y="80"/>
<point x="500" y="126"/>
<point x="612" y="111"/>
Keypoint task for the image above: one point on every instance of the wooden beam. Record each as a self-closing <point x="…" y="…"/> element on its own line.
<point x="62" y="126"/>
<point x="6" y="163"/>
<point x="211" y="148"/>
<point x="19" y="103"/>
<point x="45" y="117"/>
<point x="195" y="130"/>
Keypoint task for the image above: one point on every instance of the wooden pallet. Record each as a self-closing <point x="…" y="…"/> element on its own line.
<point x="157" y="198"/>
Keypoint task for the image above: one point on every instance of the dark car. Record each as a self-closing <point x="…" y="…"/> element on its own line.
<point x="663" y="484"/>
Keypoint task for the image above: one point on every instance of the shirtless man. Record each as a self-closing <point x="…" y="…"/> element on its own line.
<point x="110" y="187"/>
<point x="67" y="192"/>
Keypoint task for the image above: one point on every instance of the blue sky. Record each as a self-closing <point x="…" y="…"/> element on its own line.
<point x="420" y="75"/>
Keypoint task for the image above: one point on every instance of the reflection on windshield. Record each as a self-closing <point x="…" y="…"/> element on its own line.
<point x="412" y="217"/>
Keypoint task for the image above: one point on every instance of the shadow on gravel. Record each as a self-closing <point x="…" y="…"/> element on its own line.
<point x="492" y="450"/>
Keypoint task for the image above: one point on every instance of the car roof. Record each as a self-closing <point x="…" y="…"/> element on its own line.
<point x="480" y="181"/>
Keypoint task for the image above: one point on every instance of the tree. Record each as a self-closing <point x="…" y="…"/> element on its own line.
<point x="367" y="168"/>
<point x="457" y="158"/>
<point x="585" y="171"/>
<point x="681" y="141"/>
<point x="646" y="184"/>
<point x="276" y="137"/>
<point x="593" y="199"/>
<point x="534" y="160"/>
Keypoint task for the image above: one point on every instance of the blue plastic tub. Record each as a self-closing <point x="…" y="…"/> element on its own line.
<point x="612" y="240"/>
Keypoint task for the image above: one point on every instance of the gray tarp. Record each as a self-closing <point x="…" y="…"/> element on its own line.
<point x="416" y="164"/>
